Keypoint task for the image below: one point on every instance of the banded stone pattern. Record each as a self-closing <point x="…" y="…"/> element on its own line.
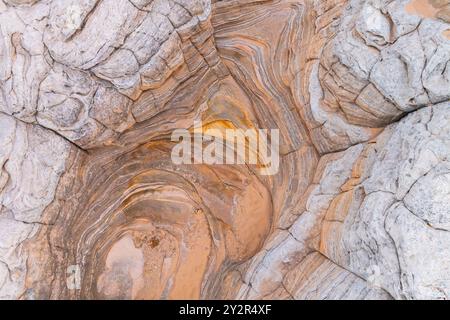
<point x="91" y="90"/>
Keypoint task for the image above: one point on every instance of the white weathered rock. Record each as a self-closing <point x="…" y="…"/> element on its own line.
<point x="32" y="160"/>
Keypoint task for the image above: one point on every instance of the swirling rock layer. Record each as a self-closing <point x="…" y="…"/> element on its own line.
<point x="92" y="90"/>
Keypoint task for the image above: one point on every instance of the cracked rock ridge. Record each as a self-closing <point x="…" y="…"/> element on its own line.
<point x="91" y="90"/>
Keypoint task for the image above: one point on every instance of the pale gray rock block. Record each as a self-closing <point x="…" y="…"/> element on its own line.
<point x="367" y="246"/>
<point x="21" y="2"/>
<point x="141" y="4"/>
<point x="436" y="76"/>
<point x="411" y="151"/>
<point x="373" y="25"/>
<point x="7" y="134"/>
<point x="36" y="161"/>
<point x="337" y="172"/>
<point x="398" y="75"/>
<point x="334" y="132"/>
<point x="112" y="109"/>
<point x="404" y="22"/>
<point x="32" y="160"/>
<point x="66" y="97"/>
<point x="23" y="64"/>
<point x="56" y="55"/>
<point x="163" y="63"/>
<point x="429" y="197"/>
<point x="382" y="63"/>
<point x="68" y="16"/>
<point x="423" y="255"/>
<point x="94" y="43"/>
<point x="134" y="36"/>
<point x="401" y="227"/>
<point x="356" y="56"/>
<point x="12" y="258"/>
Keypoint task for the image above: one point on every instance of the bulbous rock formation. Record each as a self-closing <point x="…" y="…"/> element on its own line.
<point x="93" y="207"/>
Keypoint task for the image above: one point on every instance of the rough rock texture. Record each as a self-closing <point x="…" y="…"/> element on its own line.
<point x="90" y="92"/>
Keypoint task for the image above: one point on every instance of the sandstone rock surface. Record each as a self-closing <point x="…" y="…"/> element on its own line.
<point x="93" y="207"/>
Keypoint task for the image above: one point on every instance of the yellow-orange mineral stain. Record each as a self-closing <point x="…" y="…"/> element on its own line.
<point x="423" y="8"/>
<point x="446" y="33"/>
